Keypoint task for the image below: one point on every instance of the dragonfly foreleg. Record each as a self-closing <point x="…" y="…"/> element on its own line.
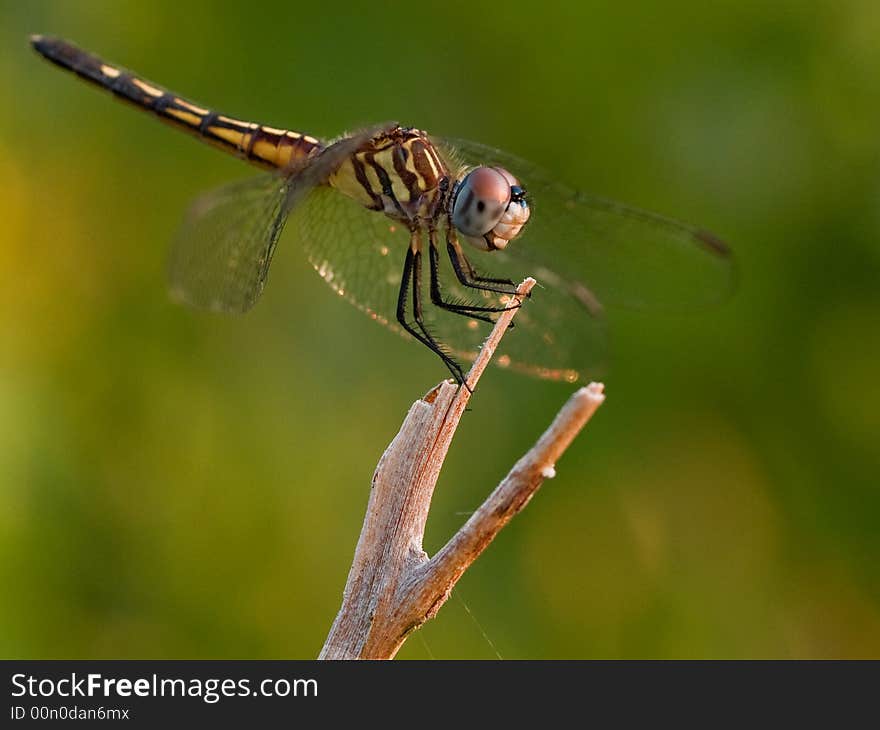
<point x="411" y="275"/>
<point x="472" y="311"/>
<point x="467" y="274"/>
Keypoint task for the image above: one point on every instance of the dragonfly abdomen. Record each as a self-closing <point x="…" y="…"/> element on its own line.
<point x="257" y="143"/>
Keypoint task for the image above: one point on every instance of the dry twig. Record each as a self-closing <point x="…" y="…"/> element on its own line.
<point x="393" y="586"/>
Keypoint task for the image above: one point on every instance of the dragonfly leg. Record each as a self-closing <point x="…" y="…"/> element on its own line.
<point x="411" y="276"/>
<point x="468" y="276"/>
<point x="472" y="311"/>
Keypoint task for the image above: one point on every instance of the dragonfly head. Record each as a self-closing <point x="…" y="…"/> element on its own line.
<point x="489" y="208"/>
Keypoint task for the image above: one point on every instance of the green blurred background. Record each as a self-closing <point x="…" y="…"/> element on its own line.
<point x="180" y="485"/>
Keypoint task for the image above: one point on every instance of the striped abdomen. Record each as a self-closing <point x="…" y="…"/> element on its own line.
<point x="257" y="143"/>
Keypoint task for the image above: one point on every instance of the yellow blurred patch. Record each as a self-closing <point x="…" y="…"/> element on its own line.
<point x="50" y="272"/>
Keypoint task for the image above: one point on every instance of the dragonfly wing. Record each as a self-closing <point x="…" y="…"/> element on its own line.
<point x="360" y="253"/>
<point x="559" y="334"/>
<point x="618" y="255"/>
<point x="221" y="255"/>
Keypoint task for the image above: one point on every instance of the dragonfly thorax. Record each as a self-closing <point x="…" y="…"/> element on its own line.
<point x="489" y="208"/>
<point x="397" y="172"/>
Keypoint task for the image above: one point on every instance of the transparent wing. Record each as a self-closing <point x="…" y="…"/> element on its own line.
<point x="559" y="334"/>
<point x="221" y="255"/>
<point x="360" y="253"/>
<point x="609" y="252"/>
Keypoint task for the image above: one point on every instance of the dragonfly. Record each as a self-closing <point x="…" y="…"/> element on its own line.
<point x="393" y="219"/>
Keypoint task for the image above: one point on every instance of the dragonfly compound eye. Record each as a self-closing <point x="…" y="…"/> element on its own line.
<point x="489" y="208"/>
<point x="480" y="201"/>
